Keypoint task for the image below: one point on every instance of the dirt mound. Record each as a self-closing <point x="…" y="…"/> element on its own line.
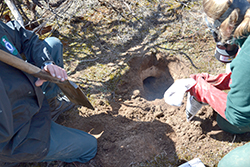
<point x="138" y="125"/>
<point x="133" y="128"/>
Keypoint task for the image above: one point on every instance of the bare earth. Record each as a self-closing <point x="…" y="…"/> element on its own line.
<point x="138" y="128"/>
<point x="124" y="66"/>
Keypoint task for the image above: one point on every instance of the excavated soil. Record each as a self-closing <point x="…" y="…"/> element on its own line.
<point x="137" y="127"/>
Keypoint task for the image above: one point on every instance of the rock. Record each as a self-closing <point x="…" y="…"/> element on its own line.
<point x="158" y="114"/>
<point x="136" y="93"/>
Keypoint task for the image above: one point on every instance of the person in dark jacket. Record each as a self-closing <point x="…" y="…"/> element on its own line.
<point x="29" y="106"/>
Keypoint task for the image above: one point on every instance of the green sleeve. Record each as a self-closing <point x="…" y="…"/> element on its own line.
<point x="238" y="99"/>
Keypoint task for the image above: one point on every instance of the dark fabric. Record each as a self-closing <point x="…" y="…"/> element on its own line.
<point x="228" y="127"/>
<point x="26" y="42"/>
<point x="75" y="145"/>
<point x="24" y="112"/>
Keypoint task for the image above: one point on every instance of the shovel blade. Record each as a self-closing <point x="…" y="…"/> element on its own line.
<point x="74" y="93"/>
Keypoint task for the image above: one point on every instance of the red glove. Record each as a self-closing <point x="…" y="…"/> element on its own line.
<point x="208" y="90"/>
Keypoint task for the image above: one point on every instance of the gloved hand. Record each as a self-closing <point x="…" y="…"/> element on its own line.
<point x="175" y="93"/>
<point x="204" y="87"/>
<point x="208" y="89"/>
<point x="220" y="81"/>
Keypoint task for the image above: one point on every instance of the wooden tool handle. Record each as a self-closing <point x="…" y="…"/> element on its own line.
<point x="18" y="63"/>
<point x="26" y="67"/>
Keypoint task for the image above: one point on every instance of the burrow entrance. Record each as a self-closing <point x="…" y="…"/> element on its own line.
<point x="155" y="81"/>
<point x="149" y="75"/>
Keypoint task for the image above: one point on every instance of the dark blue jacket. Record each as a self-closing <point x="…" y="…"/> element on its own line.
<point x="24" y="111"/>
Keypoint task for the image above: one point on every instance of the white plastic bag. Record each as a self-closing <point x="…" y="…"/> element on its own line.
<point x="175" y="93"/>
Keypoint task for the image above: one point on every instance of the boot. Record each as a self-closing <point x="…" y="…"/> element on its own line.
<point x="58" y="105"/>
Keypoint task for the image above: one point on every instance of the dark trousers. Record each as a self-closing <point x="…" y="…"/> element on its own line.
<point x="66" y="144"/>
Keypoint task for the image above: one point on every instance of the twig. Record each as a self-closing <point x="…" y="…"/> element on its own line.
<point x="234" y="138"/>
<point x="15" y="12"/>
<point x="89" y="60"/>
<point x="189" y="59"/>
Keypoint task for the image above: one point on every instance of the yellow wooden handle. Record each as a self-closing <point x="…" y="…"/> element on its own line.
<point x="26" y="67"/>
<point x="18" y="63"/>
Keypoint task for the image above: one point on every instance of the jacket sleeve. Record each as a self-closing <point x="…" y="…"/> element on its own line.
<point x="6" y="119"/>
<point x="28" y="43"/>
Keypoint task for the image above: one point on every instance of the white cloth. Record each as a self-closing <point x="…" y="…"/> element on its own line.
<point x="175" y="93"/>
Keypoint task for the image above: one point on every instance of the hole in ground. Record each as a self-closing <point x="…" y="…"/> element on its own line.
<point x="150" y="75"/>
<point x="155" y="87"/>
<point x="155" y="76"/>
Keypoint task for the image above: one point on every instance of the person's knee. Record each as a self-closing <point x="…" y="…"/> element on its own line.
<point x="228" y="127"/>
<point x="93" y="145"/>
<point x="238" y="157"/>
<point x="55" y="48"/>
<point x="53" y="42"/>
<point x="90" y="151"/>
